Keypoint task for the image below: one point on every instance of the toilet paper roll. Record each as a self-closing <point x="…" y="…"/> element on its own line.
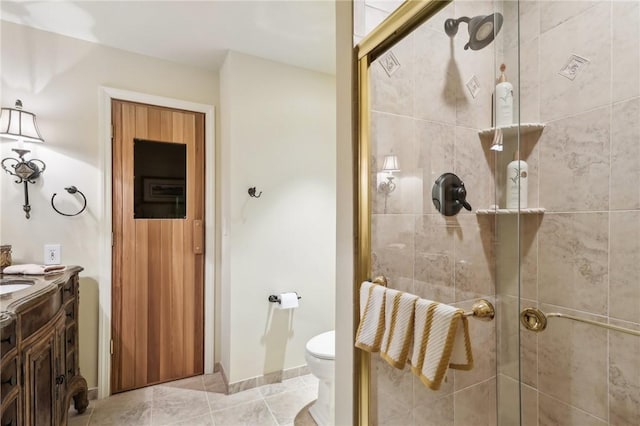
<point x="288" y="300"/>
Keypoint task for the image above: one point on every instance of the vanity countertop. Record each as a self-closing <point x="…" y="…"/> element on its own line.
<point x="43" y="285"/>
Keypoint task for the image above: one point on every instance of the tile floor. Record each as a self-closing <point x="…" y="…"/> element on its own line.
<point x="200" y="401"/>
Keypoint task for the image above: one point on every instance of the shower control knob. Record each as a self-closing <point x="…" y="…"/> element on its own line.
<point x="460" y="196"/>
<point x="449" y="195"/>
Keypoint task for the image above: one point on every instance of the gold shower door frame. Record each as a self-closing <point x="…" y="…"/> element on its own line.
<point x="410" y="15"/>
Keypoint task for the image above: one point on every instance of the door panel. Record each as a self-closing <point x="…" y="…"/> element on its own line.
<point x="157" y="276"/>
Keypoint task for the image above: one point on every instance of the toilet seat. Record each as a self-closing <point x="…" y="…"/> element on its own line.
<point x="323" y="345"/>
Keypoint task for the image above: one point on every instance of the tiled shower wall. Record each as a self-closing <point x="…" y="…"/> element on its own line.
<point x="583" y="256"/>
<point x="424" y="114"/>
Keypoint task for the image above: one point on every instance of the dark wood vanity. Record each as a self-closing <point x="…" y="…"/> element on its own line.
<point x="39" y="350"/>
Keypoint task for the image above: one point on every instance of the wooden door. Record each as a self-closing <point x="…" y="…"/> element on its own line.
<point x="158" y="266"/>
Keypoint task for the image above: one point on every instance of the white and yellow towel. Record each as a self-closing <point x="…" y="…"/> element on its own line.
<point x="371" y="327"/>
<point x="398" y="330"/>
<point x="441" y="340"/>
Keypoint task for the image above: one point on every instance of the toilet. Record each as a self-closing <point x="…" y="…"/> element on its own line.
<point x="320" y="354"/>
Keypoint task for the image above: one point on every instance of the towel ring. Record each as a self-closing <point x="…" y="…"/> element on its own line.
<point x="71" y="190"/>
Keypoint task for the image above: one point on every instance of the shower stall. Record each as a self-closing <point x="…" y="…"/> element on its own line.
<point x="562" y="266"/>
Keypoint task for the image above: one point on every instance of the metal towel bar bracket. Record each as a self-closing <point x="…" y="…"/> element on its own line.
<point x="535" y="320"/>
<point x="482" y="309"/>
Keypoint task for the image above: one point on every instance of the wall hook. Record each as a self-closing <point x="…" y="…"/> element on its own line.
<point x="252" y="192"/>
<point x="71" y="190"/>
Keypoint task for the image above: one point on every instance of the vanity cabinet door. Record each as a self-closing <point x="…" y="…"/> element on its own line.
<point x="43" y="363"/>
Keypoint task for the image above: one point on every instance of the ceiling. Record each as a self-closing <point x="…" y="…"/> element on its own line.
<point x="197" y="33"/>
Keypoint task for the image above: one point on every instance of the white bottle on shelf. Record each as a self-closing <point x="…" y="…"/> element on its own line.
<point x="503" y="100"/>
<point x="517" y="182"/>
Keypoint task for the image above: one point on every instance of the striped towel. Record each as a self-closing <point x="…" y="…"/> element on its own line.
<point x="371" y="325"/>
<point x="398" y="329"/>
<point x="441" y="340"/>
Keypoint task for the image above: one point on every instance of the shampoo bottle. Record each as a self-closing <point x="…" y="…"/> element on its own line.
<point x="517" y="180"/>
<point x="503" y="100"/>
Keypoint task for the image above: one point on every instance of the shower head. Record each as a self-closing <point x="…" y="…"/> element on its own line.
<point x="482" y="29"/>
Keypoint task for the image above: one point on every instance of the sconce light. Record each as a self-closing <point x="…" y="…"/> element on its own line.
<point x="19" y="125"/>
<point x="389" y="166"/>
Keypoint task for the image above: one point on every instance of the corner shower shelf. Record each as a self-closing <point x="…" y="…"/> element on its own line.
<point x="533" y="210"/>
<point x="512" y="130"/>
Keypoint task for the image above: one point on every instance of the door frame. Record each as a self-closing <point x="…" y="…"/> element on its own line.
<point x="408" y="16"/>
<point x="106" y="231"/>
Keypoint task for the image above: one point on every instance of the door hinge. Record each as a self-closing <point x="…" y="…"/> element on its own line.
<point x="111" y="349"/>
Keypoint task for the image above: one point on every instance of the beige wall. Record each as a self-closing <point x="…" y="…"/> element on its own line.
<point x="582" y="256"/>
<point x="58" y="78"/>
<point x="278" y="134"/>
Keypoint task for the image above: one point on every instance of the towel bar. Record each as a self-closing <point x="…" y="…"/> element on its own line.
<point x="482" y="309"/>
<point x="535" y="320"/>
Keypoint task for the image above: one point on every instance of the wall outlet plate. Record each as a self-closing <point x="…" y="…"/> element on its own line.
<point x="52" y="254"/>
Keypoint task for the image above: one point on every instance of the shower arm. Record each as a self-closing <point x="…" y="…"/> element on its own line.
<point x="451" y="25"/>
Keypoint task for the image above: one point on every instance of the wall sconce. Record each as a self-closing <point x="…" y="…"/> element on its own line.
<point x="389" y="166"/>
<point x="19" y="125"/>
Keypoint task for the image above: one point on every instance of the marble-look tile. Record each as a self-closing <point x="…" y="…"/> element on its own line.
<point x="434" y="258"/>
<point x="394" y="390"/>
<point x="436" y="22"/>
<point x="624" y="280"/>
<point x="284" y="386"/>
<point x="394" y="94"/>
<point x="574" y="261"/>
<point x="438" y="412"/>
<point x="171" y="403"/>
<point x="625" y="46"/>
<point x="134" y="414"/>
<point x="437" y="77"/>
<point x="554" y="13"/>
<point x="517" y="255"/>
<point x="572" y="365"/>
<point x="625" y="154"/>
<point x="483" y="347"/>
<point x="310" y="380"/>
<point x="395" y="383"/>
<point x="75" y="419"/>
<point x="435" y="151"/>
<point x="474" y="268"/>
<point x="254" y="413"/>
<point x="587" y="35"/>
<point x="474" y="164"/>
<point x="285" y="406"/>
<point x="624" y="375"/>
<point x="553" y="413"/>
<point x="243" y="385"/>
<point x="514" y="404"/>
<point x="529" y="405"/>
<point x="475" y="405"/>
<point x="214" y="383"/>
<point x="219" y="401"/>
<point x="203" y="420"/>
<point x="392" y="248"/>
<point x="527" y="93"/>
<point x="303" y="418"/>
<point x="195" y="383"/>
<point x="393" y="134"/>
<point x="575" y="164"/>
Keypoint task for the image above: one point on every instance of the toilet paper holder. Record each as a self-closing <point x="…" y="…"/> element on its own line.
<point x="274" y="298"/>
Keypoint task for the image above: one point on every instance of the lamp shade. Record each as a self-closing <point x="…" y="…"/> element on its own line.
<point x="19" y="125"/>
<point x="390" y="163"/>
